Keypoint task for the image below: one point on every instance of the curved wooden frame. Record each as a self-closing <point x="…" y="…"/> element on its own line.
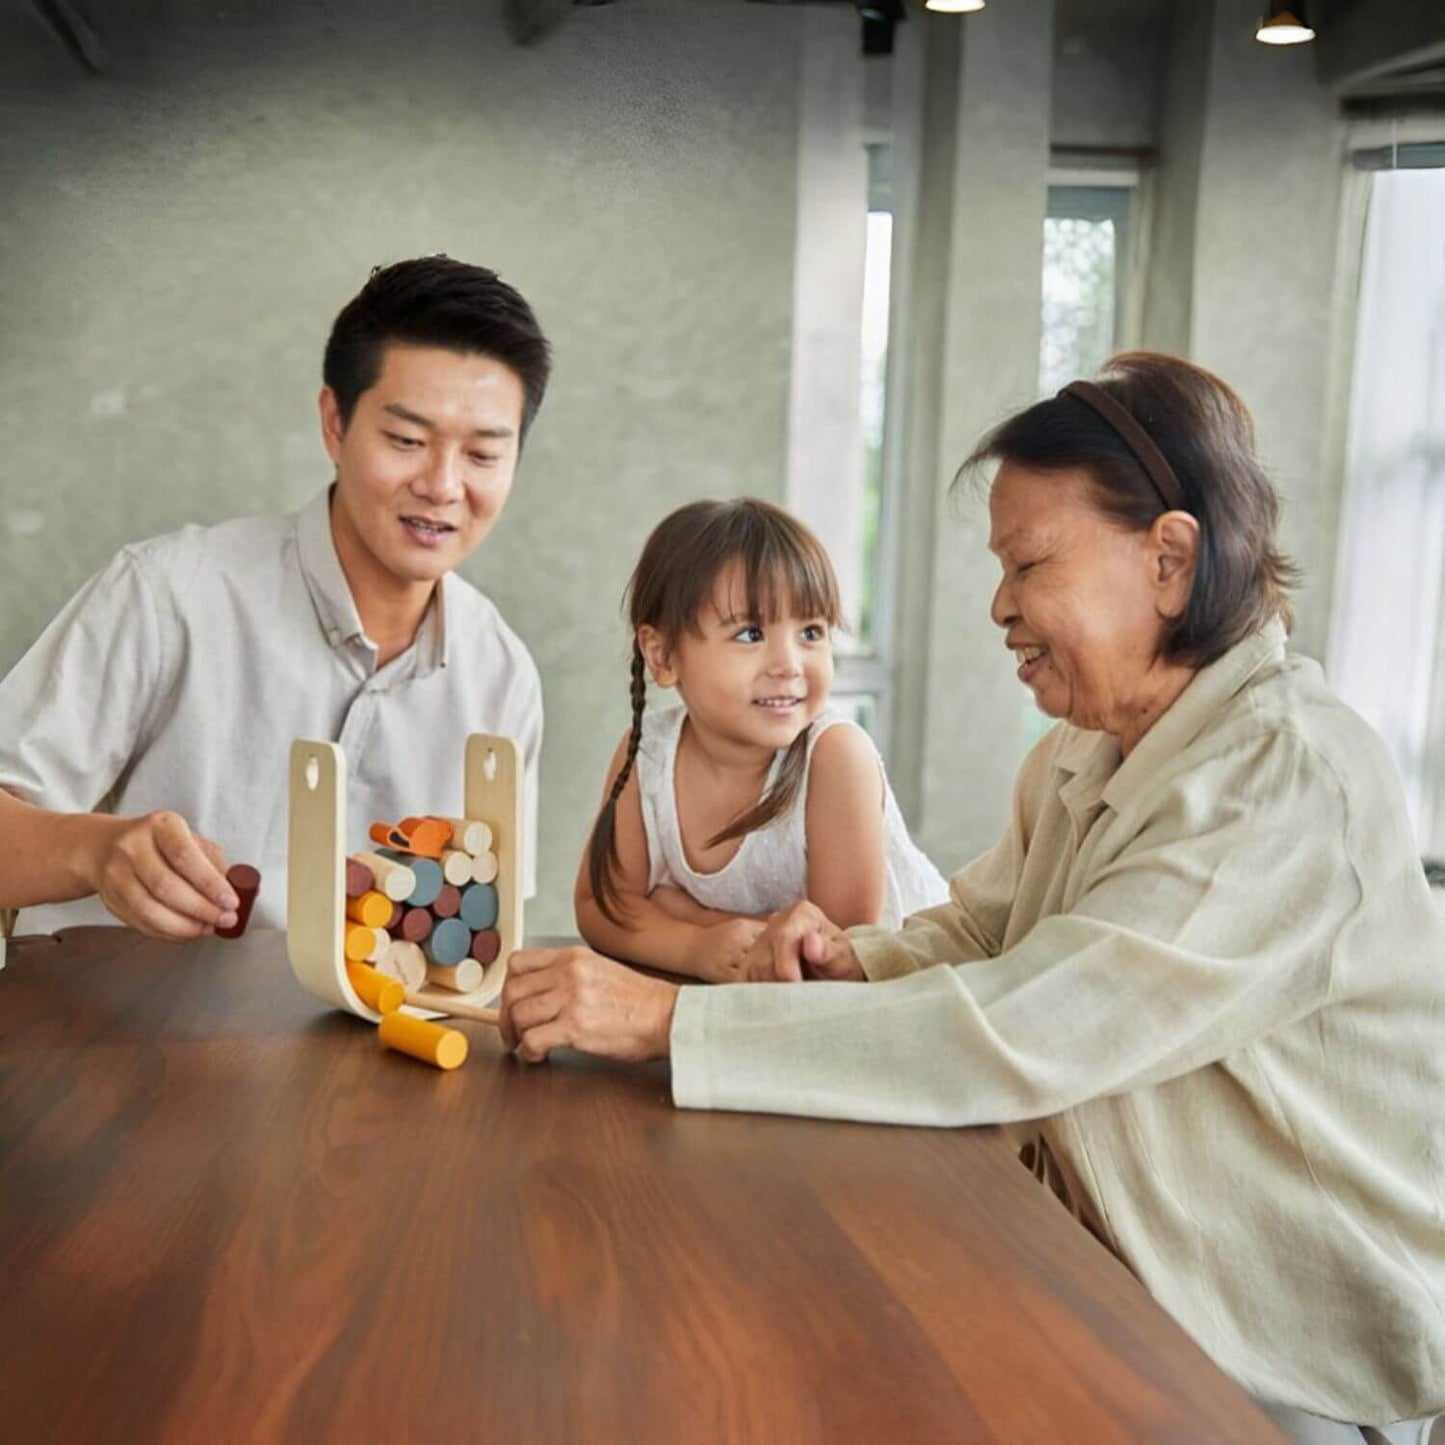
<point x="316" y="870"/>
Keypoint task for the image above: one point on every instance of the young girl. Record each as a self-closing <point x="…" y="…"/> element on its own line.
<point x="752" y="794"/>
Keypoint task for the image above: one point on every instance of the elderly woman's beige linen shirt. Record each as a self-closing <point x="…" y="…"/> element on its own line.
<point x="1212" y="976"/>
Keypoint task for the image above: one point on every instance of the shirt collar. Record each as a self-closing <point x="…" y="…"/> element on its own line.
<point x="321" y="568"/>
<point x="1210" y="690"/>
<point x="1092" y="759"/>
<point x="331" y="594"/>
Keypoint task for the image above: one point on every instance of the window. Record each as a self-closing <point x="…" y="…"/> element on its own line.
<point x="1086" y="258"/>
<point x="1387" y="649"/>
<point x="838" y="429"/>
<point x="862" y="675"/>
<point x="877" y="275"/>
<point x="1087" y="266"/>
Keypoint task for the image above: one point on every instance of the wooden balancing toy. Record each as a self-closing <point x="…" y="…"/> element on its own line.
<point x="420" y="923"/>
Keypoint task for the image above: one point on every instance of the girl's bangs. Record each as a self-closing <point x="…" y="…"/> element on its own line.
<point x="788" y="573"/>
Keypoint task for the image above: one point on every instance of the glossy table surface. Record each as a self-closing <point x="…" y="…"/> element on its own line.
<point x="227" y="1213"/>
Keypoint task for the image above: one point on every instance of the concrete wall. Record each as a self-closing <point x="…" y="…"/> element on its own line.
<point x="177" y="237"/>
<point x="1243" y="272"/>
<point x="975" y="329"/>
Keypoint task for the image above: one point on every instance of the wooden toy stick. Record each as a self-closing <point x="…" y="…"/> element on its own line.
<point x="449" y="942"/>
<point x="404" y="962"/>
<point x="486" y="945"/>
<point x="479" y="906"/>
<point x="246" y="882"/>
<point x="416" y="925"/>
<point x="484" y="868"/>
<point x="460" y="977"/>
<point x="468" y="835"/>
<point x="375" y="990"/>
<point x="426" y="837"/>
<point x="394" y="879"/>
<point x="365" y="944"/>
<point x="387" y="836"/>
<point x="457" y="867"/>
<point x="427" y="876"/>
<point x="358" y="879"/>
<point x="458" y="1008"/>
<point x="372" y="908"/>
<point x="429" y="1042"/>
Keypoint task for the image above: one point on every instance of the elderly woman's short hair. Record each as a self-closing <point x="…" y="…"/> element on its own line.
<point x="1241" y="578"/>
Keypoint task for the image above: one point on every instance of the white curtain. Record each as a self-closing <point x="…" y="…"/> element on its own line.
<point x="1387" y="654"/>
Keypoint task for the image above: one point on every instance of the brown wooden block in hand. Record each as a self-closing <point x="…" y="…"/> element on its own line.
<point x="245" y="883"/>
<point x="431" y="1043"/>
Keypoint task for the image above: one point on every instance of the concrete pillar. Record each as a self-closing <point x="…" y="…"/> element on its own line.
<point x="974" y="307"/>
<point x="1245" y="255"/>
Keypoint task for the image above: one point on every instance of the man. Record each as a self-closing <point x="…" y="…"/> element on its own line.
<point x="168" y="691"/>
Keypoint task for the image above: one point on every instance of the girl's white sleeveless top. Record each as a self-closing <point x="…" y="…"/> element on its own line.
<point x="770" y="870"/>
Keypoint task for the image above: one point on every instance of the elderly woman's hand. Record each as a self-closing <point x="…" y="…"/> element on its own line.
<point x="802" y="942"/>
<point x="573" y="998"/>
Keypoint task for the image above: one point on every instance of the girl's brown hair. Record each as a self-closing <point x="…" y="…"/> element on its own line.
<point x="785" y="567"/>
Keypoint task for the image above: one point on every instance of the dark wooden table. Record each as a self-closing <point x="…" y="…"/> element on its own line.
<point x="226" y="1213"/>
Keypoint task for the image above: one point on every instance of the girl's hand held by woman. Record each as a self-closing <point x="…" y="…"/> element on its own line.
<point x="802" y="943"/>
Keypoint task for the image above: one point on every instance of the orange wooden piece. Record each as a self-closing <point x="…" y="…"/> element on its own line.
<point x="375" y="990"/>
<point x="364" y="943"/>
<point x="422" y="837"/>
<point x="431" y="1043"/>
<point x="372" y="908"/>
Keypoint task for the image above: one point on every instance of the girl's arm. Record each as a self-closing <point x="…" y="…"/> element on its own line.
<point x="844" y="819"/>
<point x="649" y="934"/>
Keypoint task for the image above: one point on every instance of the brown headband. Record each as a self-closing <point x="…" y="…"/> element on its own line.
<point x="1145" y="448"/>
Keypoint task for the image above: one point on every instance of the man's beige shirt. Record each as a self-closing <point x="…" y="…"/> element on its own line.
<point x="1211" y="980"/>
<point x="179" y="675"/>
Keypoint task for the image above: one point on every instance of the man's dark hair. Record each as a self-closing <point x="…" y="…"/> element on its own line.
<point x="1206" y="434"/>
<point x="435" y="301"/>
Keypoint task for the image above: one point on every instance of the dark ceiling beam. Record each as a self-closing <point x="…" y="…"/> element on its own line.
<point x="1362" y="42"/>
<point x="76" y="33"/>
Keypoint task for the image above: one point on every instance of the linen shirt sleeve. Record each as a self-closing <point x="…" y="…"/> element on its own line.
<point x="1213" y="925"/>
<point x="973" y="923"/>
<point x="76" y="708"/>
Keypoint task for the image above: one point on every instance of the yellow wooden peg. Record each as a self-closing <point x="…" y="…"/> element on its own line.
<point x="431" y="1043"/>
<point x="385" y="995"/>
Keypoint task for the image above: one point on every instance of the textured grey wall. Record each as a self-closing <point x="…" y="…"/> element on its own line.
<point x="177" y="237"/>
<point x="1264" y="271"/>
<point x="1243" y="270"/>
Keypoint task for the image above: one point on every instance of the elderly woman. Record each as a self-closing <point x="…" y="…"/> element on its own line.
<point x="1200" y="974"/>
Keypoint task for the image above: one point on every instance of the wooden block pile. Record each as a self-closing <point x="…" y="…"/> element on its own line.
<point x="421" y="908"/>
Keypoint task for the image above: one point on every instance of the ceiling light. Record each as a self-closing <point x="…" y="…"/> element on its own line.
<point x="1283" y="26"/>
<point x="955" y="7"/>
